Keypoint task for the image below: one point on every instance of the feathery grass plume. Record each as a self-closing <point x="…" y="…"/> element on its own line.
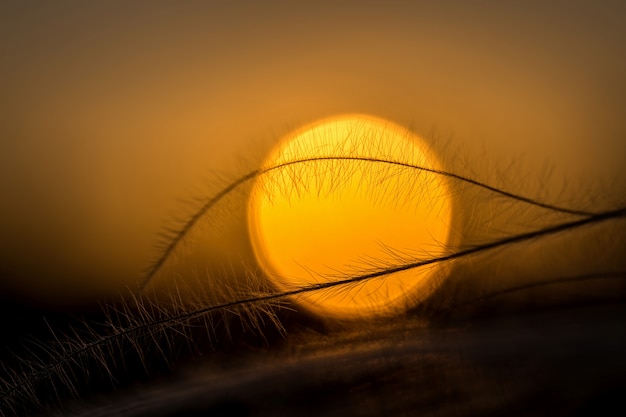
<point x="330" y="169"/>
<point x="148" y="333"/>
<point x="138" y="337"/>
<point x="177" y="236"/>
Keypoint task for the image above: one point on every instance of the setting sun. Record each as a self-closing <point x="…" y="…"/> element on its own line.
<point x="341" y="188"/>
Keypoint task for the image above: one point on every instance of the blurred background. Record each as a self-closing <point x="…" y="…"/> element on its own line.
<point x="112" y="112"/>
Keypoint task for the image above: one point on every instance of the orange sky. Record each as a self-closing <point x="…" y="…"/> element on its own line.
<point x="112" y="112"/>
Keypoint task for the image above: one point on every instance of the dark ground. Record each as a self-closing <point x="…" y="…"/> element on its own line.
<point x="565" y="362"/>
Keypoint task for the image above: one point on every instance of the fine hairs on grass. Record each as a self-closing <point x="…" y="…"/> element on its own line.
<point x="213" y="304"/>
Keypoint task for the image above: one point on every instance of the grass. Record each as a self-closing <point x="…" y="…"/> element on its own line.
<point x="144" y="334"/>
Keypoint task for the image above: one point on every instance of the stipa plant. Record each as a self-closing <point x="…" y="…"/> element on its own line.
<point x="138" y="336"/>
<point x="147" y="332"/>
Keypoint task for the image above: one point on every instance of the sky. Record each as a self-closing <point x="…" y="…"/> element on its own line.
<point x="114" y="113"/>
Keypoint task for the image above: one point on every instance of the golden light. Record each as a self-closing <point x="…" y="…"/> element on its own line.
<point x="345" y="197"/>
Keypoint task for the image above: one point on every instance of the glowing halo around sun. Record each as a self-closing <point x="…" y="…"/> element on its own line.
<point x="335" y="200"/>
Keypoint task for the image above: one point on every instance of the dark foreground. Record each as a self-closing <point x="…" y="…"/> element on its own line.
<point x="569" y="362"/>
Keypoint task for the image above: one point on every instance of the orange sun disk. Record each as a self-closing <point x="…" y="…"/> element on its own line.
<point x="338" y="199"/>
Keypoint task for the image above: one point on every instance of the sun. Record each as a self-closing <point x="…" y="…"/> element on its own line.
<point x="344" y="197"/>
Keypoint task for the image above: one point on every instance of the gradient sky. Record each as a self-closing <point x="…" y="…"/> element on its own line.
<point x="111" y="112"/>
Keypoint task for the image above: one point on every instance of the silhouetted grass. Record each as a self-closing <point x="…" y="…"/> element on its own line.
<point x="176" y="236"/>
<point x="144" y="334"/>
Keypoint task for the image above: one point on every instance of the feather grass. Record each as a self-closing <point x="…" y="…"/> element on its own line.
<point x="145" y="328"/>
<point x="176" y="236"/>
<point x="143" y="333"/>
